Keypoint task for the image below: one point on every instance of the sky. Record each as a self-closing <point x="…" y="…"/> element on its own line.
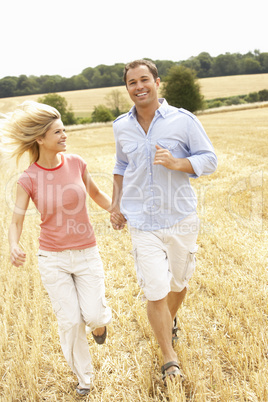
<point x="66" y="36"/>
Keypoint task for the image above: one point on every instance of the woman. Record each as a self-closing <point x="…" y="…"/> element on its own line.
<point x="68" y="258"/>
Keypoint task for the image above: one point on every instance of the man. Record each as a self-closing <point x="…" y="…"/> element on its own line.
<point x="158" y="147"/>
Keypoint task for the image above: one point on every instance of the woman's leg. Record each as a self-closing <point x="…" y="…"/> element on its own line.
<point x="89" y="281"/>
<point x="57" y="277"/>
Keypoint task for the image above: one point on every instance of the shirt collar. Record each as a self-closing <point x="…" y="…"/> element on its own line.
<point x="161" y="110"/>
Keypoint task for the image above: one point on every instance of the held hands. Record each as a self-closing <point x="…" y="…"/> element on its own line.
<point x="118" y="220"/>
<point x="17" y="256"/>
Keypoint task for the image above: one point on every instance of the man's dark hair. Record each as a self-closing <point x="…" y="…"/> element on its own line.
<point x="136" y="63"/>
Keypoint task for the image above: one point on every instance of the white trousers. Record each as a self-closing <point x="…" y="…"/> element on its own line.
<point x="74" y="280"/>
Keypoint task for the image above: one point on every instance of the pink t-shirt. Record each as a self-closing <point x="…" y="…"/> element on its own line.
<point x="60" y="196"/>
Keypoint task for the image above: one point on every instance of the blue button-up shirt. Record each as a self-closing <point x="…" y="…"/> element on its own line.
<point x="155" y="197"/>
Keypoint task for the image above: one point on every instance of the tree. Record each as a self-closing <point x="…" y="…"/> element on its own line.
<point x="80" y="82"/>
<point x="8" y="86"/>
<point x="263" y="95"/>
<point x="88" y="74"/>
<point x="51" y="83"/>
<point x="59" y="103"/>
<point x="163" y="66"/>
<point x="205" y="61"/>
<point x="225" y="64"/>
<point x="102" y="114"/>
<point x="181" y="89"/>
<point x="250" y="66"/>
<point x="117" y="102"/>
<point x="23" y="86"/>
<point x="263" y="59"/>
<point x="252" y="97"/>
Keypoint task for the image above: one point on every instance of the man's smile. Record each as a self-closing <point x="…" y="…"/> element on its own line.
<point x="142" y="94"/>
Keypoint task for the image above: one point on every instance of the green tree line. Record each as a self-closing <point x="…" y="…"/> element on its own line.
<point x="109" y="76"/>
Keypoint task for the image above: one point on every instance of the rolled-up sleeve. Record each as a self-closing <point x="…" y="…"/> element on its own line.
<point x="121" y="161"/>
<point x="202" y="155"/>
<point x="203" y="164"/>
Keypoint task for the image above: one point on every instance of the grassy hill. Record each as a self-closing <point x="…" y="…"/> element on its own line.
<point x="83" y="101"/>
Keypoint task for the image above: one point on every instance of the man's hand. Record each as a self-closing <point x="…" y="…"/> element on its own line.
<point x="165" y="158"/>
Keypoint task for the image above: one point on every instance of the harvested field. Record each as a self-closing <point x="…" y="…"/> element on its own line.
<point x="222" y="347"/>
<point x="233" y="85"/>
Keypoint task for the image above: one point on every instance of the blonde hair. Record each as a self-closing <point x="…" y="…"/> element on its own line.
<point x="20" y="129"/>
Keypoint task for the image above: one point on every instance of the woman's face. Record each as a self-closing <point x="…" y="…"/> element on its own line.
<point x="55" y="138"/>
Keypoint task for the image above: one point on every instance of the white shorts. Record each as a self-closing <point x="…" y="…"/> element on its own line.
<point x="165" y="258"/>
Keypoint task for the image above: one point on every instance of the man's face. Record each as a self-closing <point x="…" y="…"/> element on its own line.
<point x="141" y="86"/>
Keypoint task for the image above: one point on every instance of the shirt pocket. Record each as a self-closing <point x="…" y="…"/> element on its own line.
<point x="175" y="147"/>
<point x="130" y="150"/>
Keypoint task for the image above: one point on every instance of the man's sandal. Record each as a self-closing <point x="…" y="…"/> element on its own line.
<point x="174" y="331"/>
<point x="174" y="373"/>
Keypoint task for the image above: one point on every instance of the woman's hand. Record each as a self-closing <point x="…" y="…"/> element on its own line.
<point x="17" y="256"/>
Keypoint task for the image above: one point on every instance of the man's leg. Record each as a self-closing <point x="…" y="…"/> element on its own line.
<point x="161" y="321"/>
<point x="152" y="267"/>
<point x="175" y="300"/>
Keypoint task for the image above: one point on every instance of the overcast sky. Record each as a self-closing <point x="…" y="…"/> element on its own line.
<point x="64" y="37"/>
